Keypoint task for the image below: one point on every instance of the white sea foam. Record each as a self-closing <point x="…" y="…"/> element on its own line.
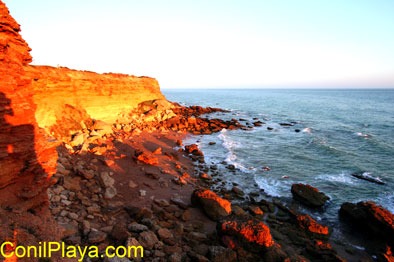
<point x="271" y="187"/>
<point x="229" y="145"/>
<point x="362" y="134"/>
<point x="338" y="178"/>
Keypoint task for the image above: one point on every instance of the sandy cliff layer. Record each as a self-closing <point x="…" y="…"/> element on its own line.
<point x="103" y="96"/>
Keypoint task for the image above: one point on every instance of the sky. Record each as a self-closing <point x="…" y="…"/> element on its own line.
<point x="217" y="43"/>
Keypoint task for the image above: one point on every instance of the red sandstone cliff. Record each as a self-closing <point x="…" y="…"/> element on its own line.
<point x="26" y="159"/>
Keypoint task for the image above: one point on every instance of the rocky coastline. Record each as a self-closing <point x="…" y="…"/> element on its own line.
<point x="86" y="170"/>
<point x="135" y="184"/>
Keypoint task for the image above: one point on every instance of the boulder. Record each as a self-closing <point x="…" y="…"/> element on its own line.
<point x="311" y="226"/>
<point x="213" y="205"/>
<point x="252" y="233"/>
<point x="193" y="149"/>
<point x="370" y="217"/>
<point x="308" y="195"/>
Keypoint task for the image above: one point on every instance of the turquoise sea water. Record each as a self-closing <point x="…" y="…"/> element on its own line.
<point x="342" y="132"/>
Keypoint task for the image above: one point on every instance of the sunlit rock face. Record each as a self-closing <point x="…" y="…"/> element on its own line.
<point x="26" y="160"/>
<point x="103" y="97"/>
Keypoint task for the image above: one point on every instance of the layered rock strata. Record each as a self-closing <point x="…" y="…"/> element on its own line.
<point x="26" y="159"/>
<point x="105" y="97"/>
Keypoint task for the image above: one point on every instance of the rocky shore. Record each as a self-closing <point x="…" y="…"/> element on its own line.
<point x="134" y="185"/>
<point x="88" y="170"/>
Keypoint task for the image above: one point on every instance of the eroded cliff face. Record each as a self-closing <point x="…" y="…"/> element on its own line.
<point x="26" y="160"/>
<point x="106" y="97"/>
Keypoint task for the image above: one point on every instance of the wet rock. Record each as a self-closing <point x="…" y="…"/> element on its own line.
<point x="238" y="191"/>
<point x="310" y="225"/>
<point x="214" y="206"/>
<point x="370" y="217"/>
<point x="193" y="149"/>
<point x="238" y="211"/>
<point x="256" y="210"/>
<point x="308" y="195"/>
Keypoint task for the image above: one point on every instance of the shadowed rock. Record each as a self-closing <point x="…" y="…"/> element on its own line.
<point x="308" y="195"/>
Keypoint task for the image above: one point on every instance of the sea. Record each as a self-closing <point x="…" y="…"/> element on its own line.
<point x="341" y="132"/>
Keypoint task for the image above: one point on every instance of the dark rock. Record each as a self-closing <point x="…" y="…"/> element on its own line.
<point x="307" y="223"/>
<point x="96" y="236"/>
<point x="148" y="239"/>
<point x="220" y="254"/>
<point x="214" y="206"/>
<point x="308" y="195"/>
<point x="368" y="177"/>
<point x="370" y="217"/>
<point x="119" y="232"/>
<point x="193" y="149"/>
<point x="164" y="233"/>
<point x="251" y="232"/>
<point x="137" y="228"/>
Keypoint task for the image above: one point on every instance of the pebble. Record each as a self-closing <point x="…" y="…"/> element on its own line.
<point x="132" y="184"/>
<point x="137" y="228"/>
<point x="164" y="233"/>
<point x="96" y="236"/>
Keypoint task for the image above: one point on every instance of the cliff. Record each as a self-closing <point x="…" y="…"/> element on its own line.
<point x="26" y="159"/>
<point x="103" y="96"/>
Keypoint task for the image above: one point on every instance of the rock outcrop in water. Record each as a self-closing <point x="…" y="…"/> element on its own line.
<point x="374" y="221"/>
<point x="308" y="195"/>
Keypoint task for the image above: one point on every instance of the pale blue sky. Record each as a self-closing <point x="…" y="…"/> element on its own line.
<point x="243" y="43"/>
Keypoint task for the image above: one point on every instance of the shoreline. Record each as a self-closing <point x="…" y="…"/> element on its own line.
<point x="136" y="183"/>
<point x="159" y="174"/>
